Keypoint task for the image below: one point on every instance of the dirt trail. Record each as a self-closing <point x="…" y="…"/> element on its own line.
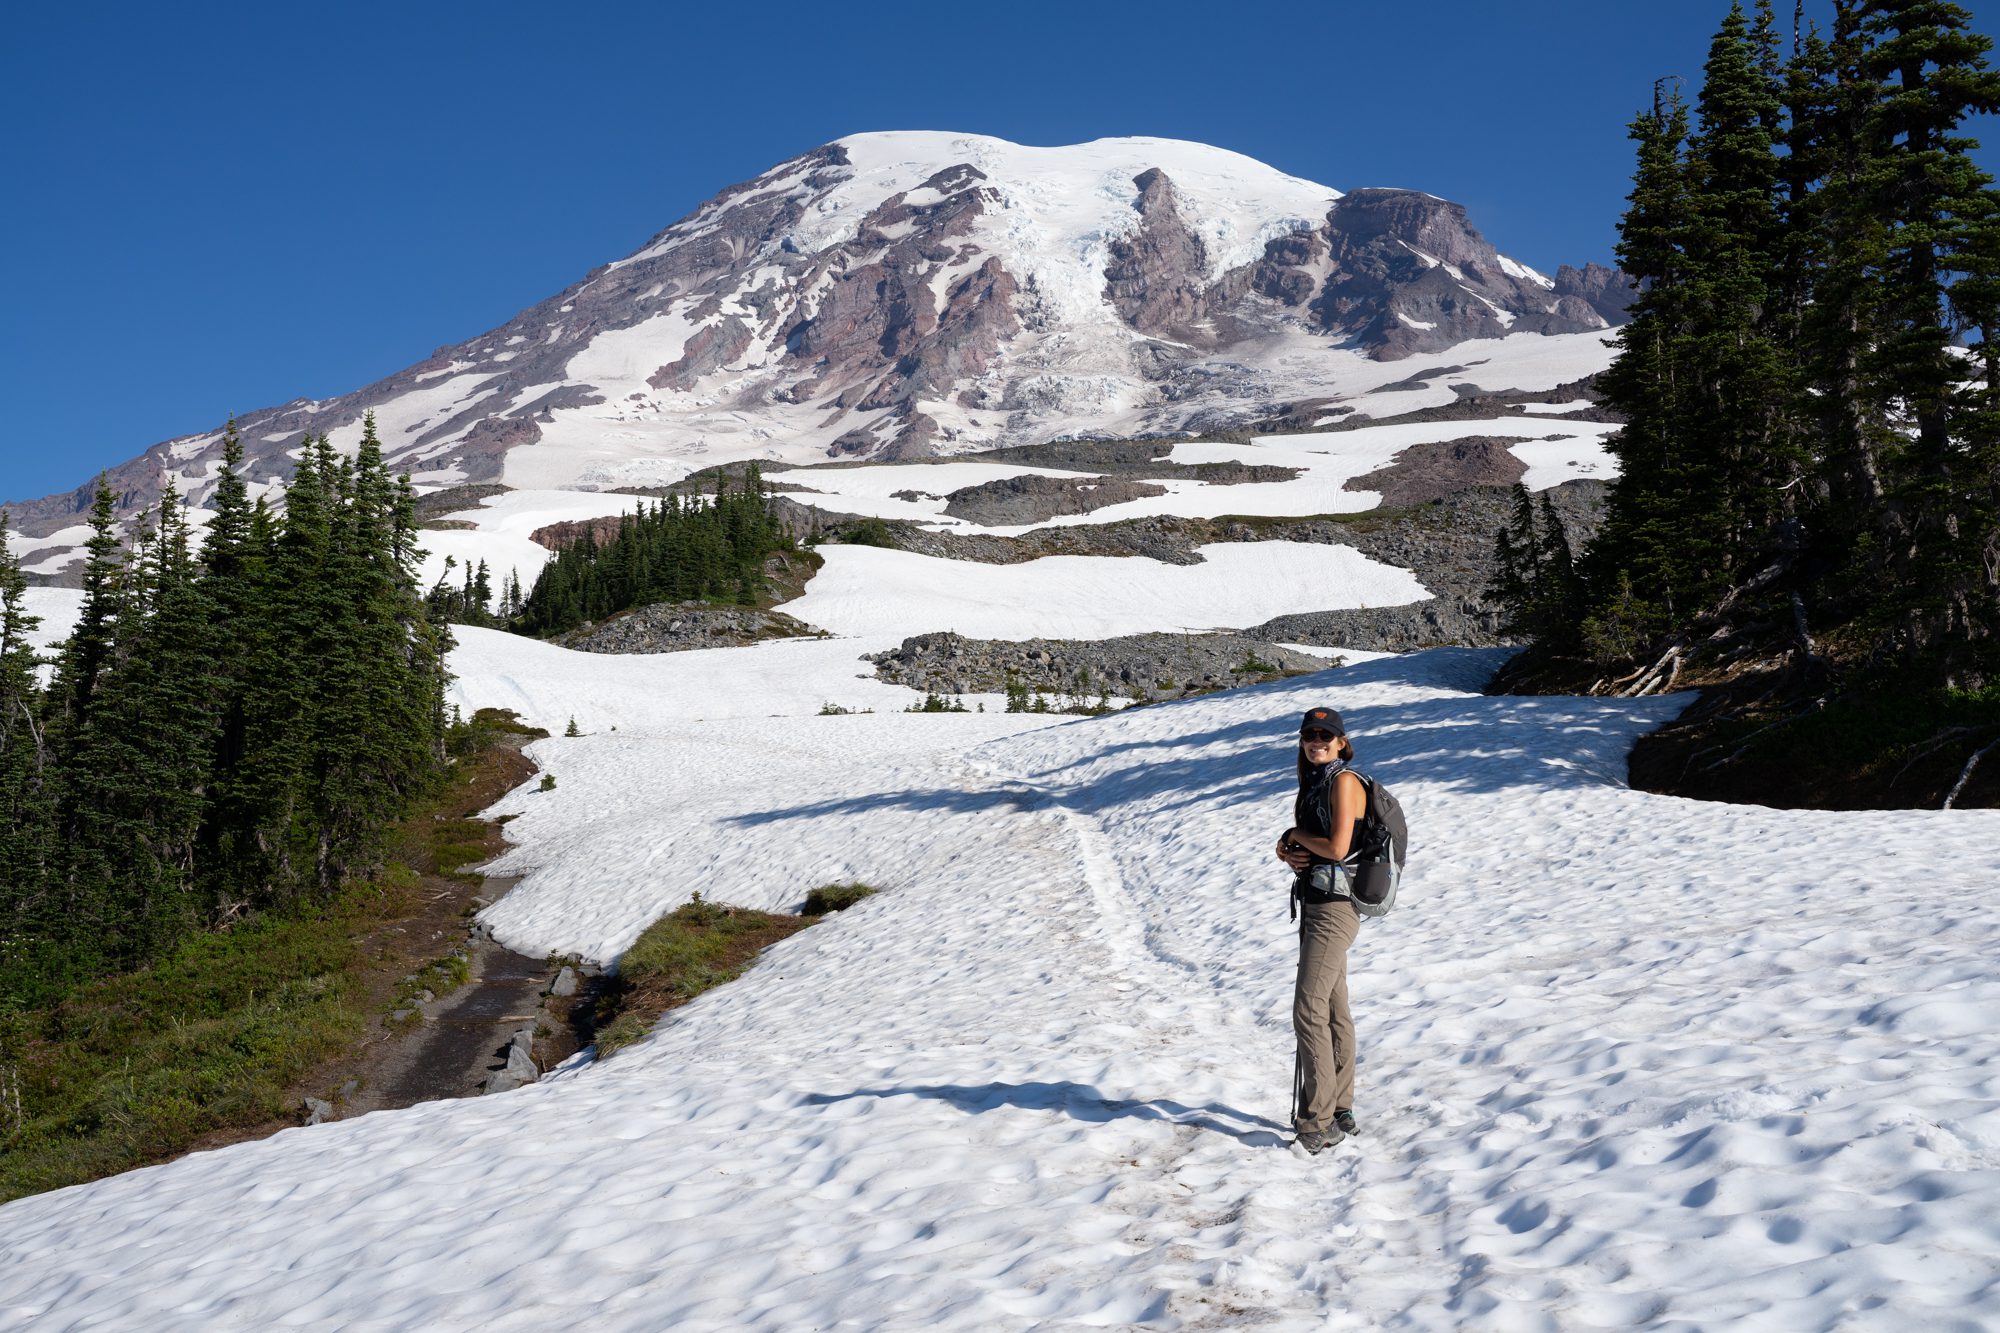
<point x="463" y="1037"/>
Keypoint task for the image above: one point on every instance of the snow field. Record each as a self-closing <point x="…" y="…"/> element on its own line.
<point x="503" y="535"/>
<point x="1327" y="463"/>
<point x="864" y="590"/>
<point x="1625" y="1061"/>
<point x="1062" y="206"/>
<point x="57" y="609"/>
<point x="548" y="685"/>
<point x="872" y="491"/>
<point x="663" y="435"/>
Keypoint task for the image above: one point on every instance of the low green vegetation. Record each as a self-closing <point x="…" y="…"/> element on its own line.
<point x="835" y="898"/>
<point x="938" y="703"/>
<point x="209" y="1041"/>
<point x="694" y="948"/>
<point x="137" y="1068"/>
<point x="867" y="532"/>
<point x="1079" y="699"/>
<point x="442" y="977"/>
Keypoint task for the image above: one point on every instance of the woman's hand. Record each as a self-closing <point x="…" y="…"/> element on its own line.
<point x="1291" y="853"/>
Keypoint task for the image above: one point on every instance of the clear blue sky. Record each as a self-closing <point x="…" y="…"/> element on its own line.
<point x="217" y="207"/>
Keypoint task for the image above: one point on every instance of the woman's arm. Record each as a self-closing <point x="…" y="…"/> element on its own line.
<point x="1350" y="801"/>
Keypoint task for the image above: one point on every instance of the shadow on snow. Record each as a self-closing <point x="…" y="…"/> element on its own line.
<point x="1079" y="1101"/>
<point x="1459" y="744"/>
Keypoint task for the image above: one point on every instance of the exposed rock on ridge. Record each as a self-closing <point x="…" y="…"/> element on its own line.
<point x="896" y="296"/>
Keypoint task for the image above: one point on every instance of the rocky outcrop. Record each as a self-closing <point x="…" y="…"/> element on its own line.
<point x="1144" y="667"/>
<point x="1448" y="544"/>
<point x="1033" y="498"/>
<point x="1393" y="629"/>
<point x="569" y="531"/>
<point x="674" y="627"/>
<point x="1171" y="541"/>
<point x="455" y="499"/>
<point x="1406" y="272"/>
<point x="1605" y="290"/>
<point x="1150" y="460"/>
<point x="1156" y="279"/>
<point x="879" y="322"/>
<point x="1433" y="471"/>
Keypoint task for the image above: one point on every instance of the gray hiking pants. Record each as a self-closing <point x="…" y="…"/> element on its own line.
<point x="1320" y="1015"/>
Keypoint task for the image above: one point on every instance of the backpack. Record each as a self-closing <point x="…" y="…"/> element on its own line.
<point x="1376" y="859"/>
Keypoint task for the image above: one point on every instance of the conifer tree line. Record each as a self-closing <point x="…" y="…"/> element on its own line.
<point x="1809" y="379"/>
<point x="676" y="550"/>
<point x="471" y="600"/>
<point x="230" y="726"/>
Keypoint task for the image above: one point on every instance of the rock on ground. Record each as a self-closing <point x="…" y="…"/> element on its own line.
<point x="1139" y="666"/>
<point x="672" y="627"/>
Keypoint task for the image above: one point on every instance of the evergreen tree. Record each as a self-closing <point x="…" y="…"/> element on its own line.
<point x="1806" y="439"/>
<point x="1644" y="541"/>
<point x="137" y="787"/>
<point x="229" y="733"/>
<point x="29" y="912"/>
<point x="87" y="651"/>
<point x="1741" y="405"/>
<point x="1927" y="73"/>
<point x="1536" y="588"/>
<point x="676" y="550"/>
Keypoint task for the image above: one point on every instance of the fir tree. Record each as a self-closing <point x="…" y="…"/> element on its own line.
<point x="28" y="843"/>
<point x="1927" y="73"/>
<point x="1643" y="541"/>
<point x="137" y="788"/>
<point x="88" y="649"/>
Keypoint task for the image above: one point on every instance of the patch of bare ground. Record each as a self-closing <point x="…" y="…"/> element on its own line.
<point x="408" y="947"/>
<point x="1433" y="471"/>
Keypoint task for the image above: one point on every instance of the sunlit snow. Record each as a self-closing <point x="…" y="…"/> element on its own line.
<point x="1625" y="1060"/>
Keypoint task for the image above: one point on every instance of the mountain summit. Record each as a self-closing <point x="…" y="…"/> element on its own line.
<point x="906" y="294"/>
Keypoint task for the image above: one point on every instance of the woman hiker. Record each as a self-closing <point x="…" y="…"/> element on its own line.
<point x="1327" y="814"/>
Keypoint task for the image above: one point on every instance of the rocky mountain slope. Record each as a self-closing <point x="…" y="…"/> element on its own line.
<point x="912" y="294"/>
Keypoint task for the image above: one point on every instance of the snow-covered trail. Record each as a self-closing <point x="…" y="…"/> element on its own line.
<point x="867" y="1142"/>
<point x="1626" y="1061"/>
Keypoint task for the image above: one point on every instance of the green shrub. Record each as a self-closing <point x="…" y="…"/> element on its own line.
<point x="937" y="703"/>
<point x="694" y="948"/>
<point x="835" y="897"/>
<point x="869" y="532"/>
<point x="135" y="1068"/>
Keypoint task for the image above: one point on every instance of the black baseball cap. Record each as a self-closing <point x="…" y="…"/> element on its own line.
<point x="1323" y="717"/>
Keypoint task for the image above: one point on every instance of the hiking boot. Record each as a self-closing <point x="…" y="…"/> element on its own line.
<point x="1343" y="1120"/>
<point x="1315" y="1142"/>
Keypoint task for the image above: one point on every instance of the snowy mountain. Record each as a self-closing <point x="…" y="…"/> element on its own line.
<point x="903" y="295"/>
<point x="1625" y="1061"/>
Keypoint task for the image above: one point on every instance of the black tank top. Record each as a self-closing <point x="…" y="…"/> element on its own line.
<point x="1313" y="810"/>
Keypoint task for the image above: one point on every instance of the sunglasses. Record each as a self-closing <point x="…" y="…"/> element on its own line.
<point x="1317" y="736"/>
